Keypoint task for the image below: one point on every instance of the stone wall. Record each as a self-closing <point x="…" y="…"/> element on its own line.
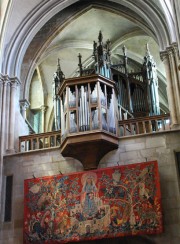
<point x="160" y="147"/>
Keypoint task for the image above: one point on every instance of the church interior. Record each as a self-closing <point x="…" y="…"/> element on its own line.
<point x="90" y="89"/>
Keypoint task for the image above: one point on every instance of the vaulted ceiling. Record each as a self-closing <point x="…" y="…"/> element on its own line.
<point x="63" y="29"/>
<point x="78" y="36"/>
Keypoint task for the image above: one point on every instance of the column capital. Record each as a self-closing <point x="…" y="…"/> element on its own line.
<point x="174" y="45"/>
<point x="43" y="108"/>
<point x="164" y="55"/>
<point x="14" y="81"/>
<point x="24" y="103"/>
<point x="6" y="79"/>
<point x="170" y="51"/>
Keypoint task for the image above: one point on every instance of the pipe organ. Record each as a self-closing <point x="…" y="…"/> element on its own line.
<point x="57" y="80"/>
<point x="137" y="91"/>
<point x="88" y="105"/>
<point x="89" y="118"/>
<point x="92" y="103"/>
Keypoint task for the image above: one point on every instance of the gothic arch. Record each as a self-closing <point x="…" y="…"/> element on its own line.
<point x="39" y="20"/>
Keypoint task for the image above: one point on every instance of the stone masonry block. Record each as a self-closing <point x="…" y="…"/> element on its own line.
<point x="172" y="217"/>
<point x="169" y="188"/>
<point x="111" y="156"/>
<point x="147" y="153"/>
<point x="135" y="146"/>
<point x="173" y="138"/>
<point x="155" y="141"/>
<point x="168" y="173"/>
<point x="129" y="155"/>
<point x="170" y="203"/>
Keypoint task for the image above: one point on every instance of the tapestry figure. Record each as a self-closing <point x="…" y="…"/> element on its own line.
<point x="89" y="196"/>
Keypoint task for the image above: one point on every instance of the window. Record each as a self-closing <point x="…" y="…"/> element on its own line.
<point x="8" y="198"/>
<point x="178" y="162"/>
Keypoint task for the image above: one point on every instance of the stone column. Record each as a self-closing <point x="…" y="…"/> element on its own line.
<point x="1" y="95"/>
<point x="170" y="89"/>
<point x="175" y="79"/>
<point x="4" y="113"/>
<point x="4" y="80"/>
<point x="177" y="62"/>
<point x="43" y="110"/>
<point x="24" y="105"/>
<point x="176" y="12"/>
<point x="8" y="92"/>
<point x="13" y="86"/>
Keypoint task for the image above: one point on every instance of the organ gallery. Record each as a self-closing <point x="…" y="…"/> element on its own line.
<point x="99" y="96"/>
<point x="90" y="119"/>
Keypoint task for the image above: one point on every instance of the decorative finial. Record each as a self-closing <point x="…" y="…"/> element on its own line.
<point x="59" y="72"/>
<point x="80" y="64"/>
<point x="124" y="50"/>
<point x="100" y="37"/>
<point x="79" y="56"/>
<point x="147" y="48"/>
<point x="58" y="65"/>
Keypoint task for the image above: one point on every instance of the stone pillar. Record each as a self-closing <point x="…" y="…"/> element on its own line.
<point x="4" y="81"/>
<point x="43" y="110"/>
<point x="1" y="95"/>
<point x="4" y="112"/>
<point x="176" y="13"/>
<point x="8" y="92"/>
<point x="24" y="105"/>
<point x="175" y="79"/>
<point x="177" y="61"/>
<point x="13" y="87"/>
<point x="172" y="87"/>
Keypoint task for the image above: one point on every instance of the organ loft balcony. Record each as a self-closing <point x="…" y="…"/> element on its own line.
<point x="108" y="101"/>
<point x="89" y="122"/>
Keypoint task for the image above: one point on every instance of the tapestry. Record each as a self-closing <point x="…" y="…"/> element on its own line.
<point x="104" y="203"/>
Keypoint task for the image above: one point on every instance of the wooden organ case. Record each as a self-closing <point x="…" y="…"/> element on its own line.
<point x="91" y="104"/>
<point x="88" y="118"/>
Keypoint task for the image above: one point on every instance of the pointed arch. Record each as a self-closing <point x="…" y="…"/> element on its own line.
<point x="20" y="61"/>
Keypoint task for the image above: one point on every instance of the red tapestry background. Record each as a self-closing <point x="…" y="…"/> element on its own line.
<point x="104" y="203"/>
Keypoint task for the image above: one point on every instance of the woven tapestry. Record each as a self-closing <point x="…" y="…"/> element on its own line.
<point x="104" y="203"/>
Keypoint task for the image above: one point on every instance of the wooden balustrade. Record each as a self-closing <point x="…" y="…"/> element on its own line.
<point x="129" y="127"/>
<point x="144" y="125"/>
<point x="39" y="141"/>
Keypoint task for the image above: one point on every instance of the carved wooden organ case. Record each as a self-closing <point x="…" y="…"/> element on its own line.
<point x="87" y="107"/>
<point x="137" y="91"/>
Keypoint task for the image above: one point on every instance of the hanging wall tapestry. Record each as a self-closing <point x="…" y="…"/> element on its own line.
<point x="104" y="203"/>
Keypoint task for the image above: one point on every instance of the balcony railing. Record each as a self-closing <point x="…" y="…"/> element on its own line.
<point x="144" y="125"/>
<point x="129" y="127"/>
<point x="39" y="141"/>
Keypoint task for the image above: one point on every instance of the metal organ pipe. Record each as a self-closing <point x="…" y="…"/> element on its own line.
<point x="62" y="119"/>
<point x="144" y="103"/>
<point x="83" y="110"/>
<point x="135" y="99"/>
<point x="122" y="95"/>
<point x="138" y="93"/>
<point x="140" y="100"/>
